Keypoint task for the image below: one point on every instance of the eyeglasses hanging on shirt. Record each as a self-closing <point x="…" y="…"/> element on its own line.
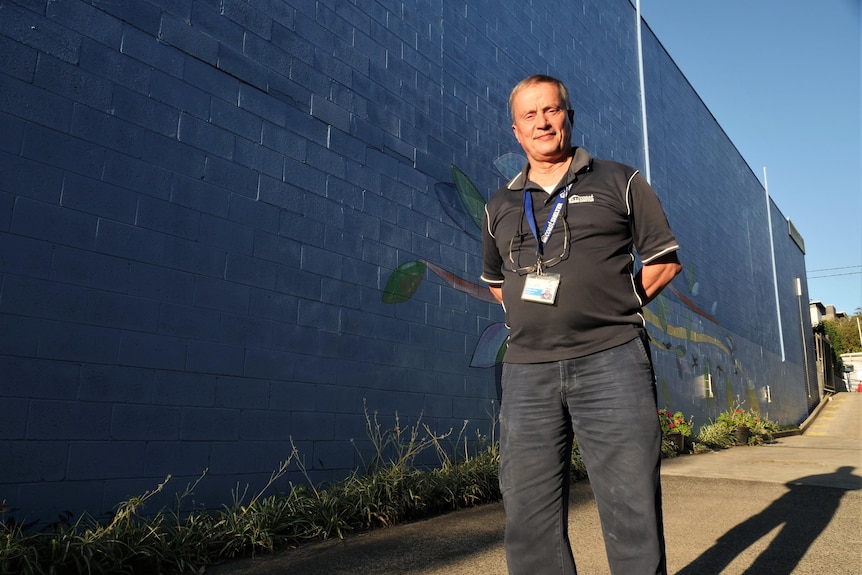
<point x="558" y="208"/>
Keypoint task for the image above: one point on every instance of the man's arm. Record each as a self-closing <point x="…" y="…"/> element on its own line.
<point x="654" y="276"/>
<point x="497" y="292"/>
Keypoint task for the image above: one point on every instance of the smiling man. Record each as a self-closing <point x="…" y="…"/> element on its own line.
<point x="559" y="253"/>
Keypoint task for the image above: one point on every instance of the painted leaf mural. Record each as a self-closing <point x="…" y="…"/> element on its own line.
<point x="476" y="291"/>
<point x="453" y="207"/>
<point x="510" y="164"/>
<point x="473" y="202"/>
<point x="491" y="347"/>
<point x="402" y="282"/>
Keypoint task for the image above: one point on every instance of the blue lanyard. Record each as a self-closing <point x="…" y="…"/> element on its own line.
<point x="552" y="218"/>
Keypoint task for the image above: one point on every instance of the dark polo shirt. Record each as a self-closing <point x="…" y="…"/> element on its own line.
<point x="610" y="211"/>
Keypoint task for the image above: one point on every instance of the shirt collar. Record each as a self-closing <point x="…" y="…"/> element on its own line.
<point x="581" y="162"/>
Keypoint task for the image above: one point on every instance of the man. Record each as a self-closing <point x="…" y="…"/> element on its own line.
<point x="558" y="254"/>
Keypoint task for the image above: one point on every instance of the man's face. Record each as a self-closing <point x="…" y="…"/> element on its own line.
<point x="541" y="123"/>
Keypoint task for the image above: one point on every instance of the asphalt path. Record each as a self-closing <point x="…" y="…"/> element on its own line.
<point x="793" y="507"/>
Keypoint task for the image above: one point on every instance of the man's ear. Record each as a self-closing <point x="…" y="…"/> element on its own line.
<point x="571" y="117"/>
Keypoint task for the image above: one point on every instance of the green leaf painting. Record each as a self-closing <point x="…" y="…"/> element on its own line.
<point x="473" y="202"/>
<point x="403" y="282"/>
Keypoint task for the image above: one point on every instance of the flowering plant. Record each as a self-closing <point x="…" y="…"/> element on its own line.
<point x="738" y="417"/>
<point x="675" y="422"/>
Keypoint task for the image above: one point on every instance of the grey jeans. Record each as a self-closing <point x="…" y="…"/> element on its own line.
<point x="607" y="400"/>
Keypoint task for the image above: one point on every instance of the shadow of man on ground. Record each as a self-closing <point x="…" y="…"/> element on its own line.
<point x="804" y="512"/>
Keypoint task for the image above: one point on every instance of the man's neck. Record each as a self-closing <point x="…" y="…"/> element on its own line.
<point x="550" y="173"/>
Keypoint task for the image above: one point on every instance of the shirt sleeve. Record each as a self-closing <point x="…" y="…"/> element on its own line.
<point x="651" y="232"/>
<point x="492" y="261"/>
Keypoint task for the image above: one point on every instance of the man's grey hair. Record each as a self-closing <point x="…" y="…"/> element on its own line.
<point x="540" y="79"/>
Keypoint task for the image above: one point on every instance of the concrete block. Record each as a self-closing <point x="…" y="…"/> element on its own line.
<point x="148" y="113"/>
<point x="160" y="283"/>
<point x="242" y="393"/>
<point x="35" y="461"/>
<point x="115" y="384"/>
<point x="244" y="331"/>
<point x="173" y="155"/>
<point x="95" y="459"/>
<point x="39" y="298"/>
<point x="176" y="458"/>
<point x="20" y="60"/>
<point x="264" y="425"/>
<point x="13" y="426"/>
<point x="76" y="342"/>
<point x="25" y="256"/>
<point x="211" y="424"/>
<point x="248" y="16"/>
<point x="235" y="238"/>
<point x="152" y="351"/>
<point x="65" y="420"/>
<point x="219" y="294"/>
<point x="215" y="358"/>
<point x="121" y="311"/>
<point x="315" y="369"/>
<point x="313" y="426"/>
<point x="37" y="31"/>
<point x="207" y="18"/>
<point x="330" y="113"/>
<point x="333" y="454"/>
<point x="167" y="217"/>
<point x="133" y="174"/>
<point x="129" y="241"/>
<point x="237" y="457"/>
<point x="242" y="67"/>
<point x="226" y="114"/>
<point x="303" y="176"/>
<point x="194" y="257"/>
<point x="206" y="136"/>
<point x="62" y="151"/>
<point x="145" y="422"/>
<point x="233" y="177"/>
<point x="287" y="336"/>
<point x="70" y="81"/>
<point x="292" y="396"/>
<point x="188" y="39"/>
<point x="254" y="214"/>
<point x="94" y="197"/>
<point x="184" y="389"/>
<point x="258" y="158"/>
<point x="274" y="248"/>
<point x="187" y="322"/>
<point x="269" y="364"/>
<point x="325" y="160"/>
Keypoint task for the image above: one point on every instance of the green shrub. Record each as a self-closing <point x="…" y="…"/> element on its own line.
<point x="719" y="434"/>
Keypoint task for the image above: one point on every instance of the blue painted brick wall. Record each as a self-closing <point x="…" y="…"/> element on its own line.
<point x="202" y="205"/>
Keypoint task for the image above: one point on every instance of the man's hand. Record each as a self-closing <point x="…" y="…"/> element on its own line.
<point x="497" y="293"/>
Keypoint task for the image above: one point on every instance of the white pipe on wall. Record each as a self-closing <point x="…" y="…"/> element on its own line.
<point x="643" y="92"/>
<point x="774" y="268"/>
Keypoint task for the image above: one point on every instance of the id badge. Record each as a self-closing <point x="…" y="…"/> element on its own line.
<point x="541" y="288"/>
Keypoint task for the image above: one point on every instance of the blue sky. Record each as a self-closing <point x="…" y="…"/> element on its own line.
<point x="782" y="78"/>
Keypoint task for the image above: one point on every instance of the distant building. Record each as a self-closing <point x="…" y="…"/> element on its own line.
<point x="820" y="312"/>
<point x="852" y="370"/>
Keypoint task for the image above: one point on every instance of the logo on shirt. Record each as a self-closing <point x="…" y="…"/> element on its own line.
<point x="576" y="199"/>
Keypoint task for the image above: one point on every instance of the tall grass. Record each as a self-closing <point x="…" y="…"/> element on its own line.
<point x="392" y="488"/>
